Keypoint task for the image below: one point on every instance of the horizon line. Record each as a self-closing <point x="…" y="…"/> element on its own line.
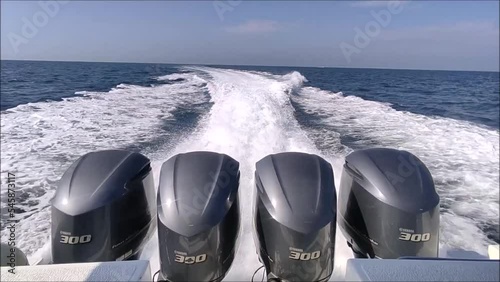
<point x="243" y="65"/>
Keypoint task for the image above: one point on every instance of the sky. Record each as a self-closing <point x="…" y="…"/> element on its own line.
<point x="449" y="35"/>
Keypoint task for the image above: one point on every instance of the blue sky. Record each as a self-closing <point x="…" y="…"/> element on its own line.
<point x="461" y="35"/>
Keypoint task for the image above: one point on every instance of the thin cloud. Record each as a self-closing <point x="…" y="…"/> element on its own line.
<point x="255" y="26"/>
<point x="460" y="31"/>
<point x="372" y="4"/>
<point x="468" y="45"/>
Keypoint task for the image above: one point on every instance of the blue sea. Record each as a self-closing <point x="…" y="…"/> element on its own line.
<point x="54" y="112"/>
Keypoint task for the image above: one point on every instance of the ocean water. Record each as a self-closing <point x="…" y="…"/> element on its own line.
<point x="54" y="112"/>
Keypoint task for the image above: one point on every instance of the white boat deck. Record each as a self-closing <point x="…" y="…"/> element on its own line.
<point x="133" y="270"/>
<point x="356" y="270"/>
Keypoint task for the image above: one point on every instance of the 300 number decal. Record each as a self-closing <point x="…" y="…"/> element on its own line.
<point x="404" y="236"/>
<point x="73" y="240"/>
<point x="304" y="256"/>
<point x="191" y="259"/>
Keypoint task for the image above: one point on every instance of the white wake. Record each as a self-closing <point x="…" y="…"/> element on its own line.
<point x="40" y="140"/>
<point x="252" y="116"/>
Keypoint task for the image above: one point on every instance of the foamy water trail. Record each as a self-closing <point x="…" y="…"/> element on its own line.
<point x="40" y="140"/>
<point x="462" y="157"/>
<point x="251" y="117"/>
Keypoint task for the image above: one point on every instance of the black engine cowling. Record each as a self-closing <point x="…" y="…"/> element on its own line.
<point x="388" y="205"/>
<point x="103" y="209"/>
<point x="198" y="216"/>
<point x="295" y="217"/>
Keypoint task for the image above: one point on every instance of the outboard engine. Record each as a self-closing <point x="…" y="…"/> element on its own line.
<point x="104" y="208"/>
<point x="388" y="205"/>
<point x="295" y="217"/>
<point x="198" y="216"/>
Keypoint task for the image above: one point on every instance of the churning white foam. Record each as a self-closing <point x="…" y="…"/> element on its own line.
<point x="252" y="117"/>
<point x="40" y="140"/>
<point x="462" y="157"/>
